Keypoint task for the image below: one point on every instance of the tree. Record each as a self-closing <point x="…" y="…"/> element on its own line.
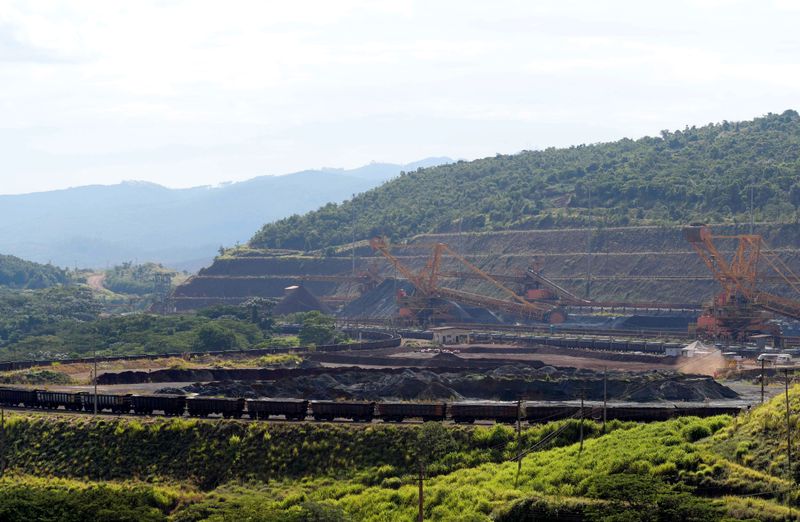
<point x="260" y="312"/>
<point x="214" y="337"/>
<point x="632" y="498"/>
<point x="317" y="329"/>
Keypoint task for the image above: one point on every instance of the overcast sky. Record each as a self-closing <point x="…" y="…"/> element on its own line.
<point x="187" y="93"/>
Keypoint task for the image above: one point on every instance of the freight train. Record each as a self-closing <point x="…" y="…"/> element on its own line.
<point x="463" y="412"/>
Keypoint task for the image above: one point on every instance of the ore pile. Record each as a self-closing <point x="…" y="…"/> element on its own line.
<point x="504" y="383"/>
<point x="381" y="303"/>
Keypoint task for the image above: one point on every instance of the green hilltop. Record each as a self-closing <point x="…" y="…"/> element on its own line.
<point x="699" y="173"/>
<point x="21" y="274"/>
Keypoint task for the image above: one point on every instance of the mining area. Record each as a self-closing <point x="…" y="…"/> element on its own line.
<point x="548" y="315"/>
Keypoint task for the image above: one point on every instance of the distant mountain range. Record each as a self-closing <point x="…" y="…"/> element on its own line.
<point x="100" y="225"/>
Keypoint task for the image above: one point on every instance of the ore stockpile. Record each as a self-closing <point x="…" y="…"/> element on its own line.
<point x="505" y="383"/>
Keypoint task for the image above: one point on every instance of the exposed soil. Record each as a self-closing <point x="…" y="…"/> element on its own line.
<point x="95" y="282"/>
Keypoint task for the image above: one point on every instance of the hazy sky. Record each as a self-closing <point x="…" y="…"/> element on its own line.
<point x="187" y="93"/>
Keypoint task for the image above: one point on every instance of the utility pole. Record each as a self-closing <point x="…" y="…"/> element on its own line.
<point x="580" y="450"/>
<point x="605" y="395"/>
<point x="752" y="219"/>
<point x="421" y="514"/>
<point x="788" y="426"/>
<point x="94" y="352"/>
<point x="589" y="249"/>
<point x="763" y="377"/>
<point x="3" y="439"/>
<point x="519" y="442"/>
<point x="353" y="229"/>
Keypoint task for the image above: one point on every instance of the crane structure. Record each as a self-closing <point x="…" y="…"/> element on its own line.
<point x="426" y="301"/>
<point x="738" y="310"/>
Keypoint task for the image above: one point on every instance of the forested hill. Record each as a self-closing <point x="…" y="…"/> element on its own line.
<point x="18" y="273"/>
<point x="700" y="173"/>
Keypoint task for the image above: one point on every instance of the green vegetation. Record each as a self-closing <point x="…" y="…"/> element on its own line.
<point x="132" y="279"/>
<point x="229" y="470"/>
<point x="698" y="174"/>
<point x="31" y="320"/>
<point x="318" y="329"/>
<point x="285" y="360"/>
<point x="35" y="377"/>
<point x="758" y="440"/>
<point x="64" y="322"/>
<point x="137" y="333"/>
<point x="52" y="500"/>
<point x="207" y="454"/>
<point x="21" y="274"/>
<point x="256" y="310"/>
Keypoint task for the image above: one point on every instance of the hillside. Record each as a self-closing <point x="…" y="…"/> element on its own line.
<point x="97" y="226"/>
<point x="758" y="440"/>
<point x="699" y="173"/>
<point x="627" y="264"/>
<point x="21" y="274"/>
<point x="229" y="470"/>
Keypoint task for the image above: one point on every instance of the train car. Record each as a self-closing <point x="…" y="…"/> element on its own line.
<point x="18" y="397"/>
<point x="356" y="411"/>
<point x="602" y="344"/>
<point x="169" y="404"/>
<point x="291" y="409"/>
<point x="538" y="413"/>
<point x="205" y="406"/>
<point x="620" y="345"/>
<point x="654" y="347"/>
<point x="106" y="402"/>
<point x="469" y="412"/>
<point x="640" y="413"/>
<point x="56" y="399"/>
<point x="706" y="411"/>
<point x="637" y="346"/>
<point x="397" y="411"/>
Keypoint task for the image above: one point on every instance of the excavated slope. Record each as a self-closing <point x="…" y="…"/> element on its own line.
<point x="626" y="263"/>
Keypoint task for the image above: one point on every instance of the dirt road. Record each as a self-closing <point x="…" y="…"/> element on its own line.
<point x="95" y="281"/>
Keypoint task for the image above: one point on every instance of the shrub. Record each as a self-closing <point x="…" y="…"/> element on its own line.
<point x="695" y="432"/>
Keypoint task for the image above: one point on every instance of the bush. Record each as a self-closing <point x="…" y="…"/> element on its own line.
<point x="695" y="432"/>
